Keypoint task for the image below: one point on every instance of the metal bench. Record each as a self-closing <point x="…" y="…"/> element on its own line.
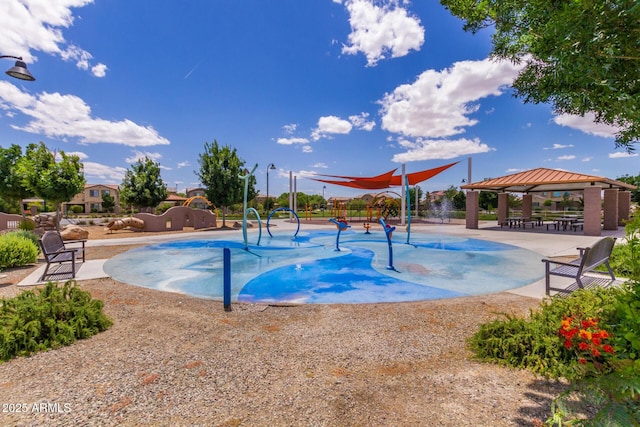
<point x="589" y="259"/>
<point x="56" y="252"/>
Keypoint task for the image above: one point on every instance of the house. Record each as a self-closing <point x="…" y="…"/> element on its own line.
<point x="91" y="198"/>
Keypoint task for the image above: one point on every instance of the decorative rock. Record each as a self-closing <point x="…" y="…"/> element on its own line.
<point x="74" y="232"/>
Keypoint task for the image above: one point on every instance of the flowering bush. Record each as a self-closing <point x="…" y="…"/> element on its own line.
<point x="588" y="341"/>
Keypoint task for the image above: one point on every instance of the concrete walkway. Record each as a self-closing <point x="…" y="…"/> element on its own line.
<point x="547" y="245"/>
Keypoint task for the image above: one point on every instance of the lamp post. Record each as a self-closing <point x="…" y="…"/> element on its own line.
<point x="266" y="204"/>
<point x="324" y="187"/>
<point x="19" y="71"/>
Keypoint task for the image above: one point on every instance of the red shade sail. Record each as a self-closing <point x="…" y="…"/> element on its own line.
<point x="384" y="180"/>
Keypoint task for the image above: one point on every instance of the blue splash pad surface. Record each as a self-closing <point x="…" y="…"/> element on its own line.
<point x="308" y="269"/>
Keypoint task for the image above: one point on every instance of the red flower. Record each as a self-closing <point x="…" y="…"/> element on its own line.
<point x="595" y="352"/>
<point x="582" y="360"/>
<point x="568" y="344"/>
<point x="583" y="346"/>
<point x="607" y="348"/>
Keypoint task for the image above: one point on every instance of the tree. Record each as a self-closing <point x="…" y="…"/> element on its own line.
<point x="488" y="200"/>
<point x="12" y="187"/>
<point x="220" y="170"/>
<point x="580" y="56"/>
<point x="53" y="180"/>
<point x="633" y="180"/>
<point x="108" y="202"/>
<point x="142" y="185"/>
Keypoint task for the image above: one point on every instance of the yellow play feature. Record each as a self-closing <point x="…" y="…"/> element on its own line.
<point x="191" y="199"/>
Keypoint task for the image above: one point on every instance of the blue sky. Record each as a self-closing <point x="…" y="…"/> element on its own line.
<point x="340" y="87"/>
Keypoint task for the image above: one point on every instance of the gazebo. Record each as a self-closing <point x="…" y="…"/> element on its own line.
<point x="616" y="195"/>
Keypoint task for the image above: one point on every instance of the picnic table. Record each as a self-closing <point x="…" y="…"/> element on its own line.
<point x="566" y="221"/>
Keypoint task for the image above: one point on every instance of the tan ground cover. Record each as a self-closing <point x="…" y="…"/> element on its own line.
<point x="171" y="359"/>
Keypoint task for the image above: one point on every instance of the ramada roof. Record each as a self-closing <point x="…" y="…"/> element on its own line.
<point x="543" y="179"/>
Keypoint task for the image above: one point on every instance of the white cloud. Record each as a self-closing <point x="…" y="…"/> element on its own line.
<point x="587" y="159"/>
<point x="38" y="25"/>
<point x="567" y="157"/>
<point x="290" y="128"/>
<point x="558" y="147"/>
<point x="292" y="141"/>
<point x="380" y="31"/>
<point x="438" y="103"/>
<point x="307" y="149"/>
<point x="99" y="70"/>
<point x="360" y="122"/>
<point x="622" y="155"/>
<point x="80" y="154"/>
<point x="183" y="164"/>
<point x="587" y="124"/>
<point x="68" y="116"/>
<point x="320" y="165"/>
<point x="430" y="149"/>
<point x="140" y="155"/>
<point x="103" y="173"/>
<point x="513" y="170"/>
<point x="329" y="125"/>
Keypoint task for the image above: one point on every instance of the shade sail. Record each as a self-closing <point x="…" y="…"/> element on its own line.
<point x="384" y="180"/>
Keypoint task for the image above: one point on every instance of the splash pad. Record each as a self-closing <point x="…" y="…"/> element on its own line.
<point x="307" y="268"/>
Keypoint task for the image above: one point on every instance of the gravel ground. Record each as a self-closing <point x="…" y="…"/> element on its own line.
<point x="170" y="359"/>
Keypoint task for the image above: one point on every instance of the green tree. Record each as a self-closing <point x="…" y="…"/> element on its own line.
<point x="283" y="200"/>
<point x="142" y="185"/>
<point x="220" y="169"/>
<point x="488" y="200"/>
<point x="53" y="180"/>
<point x="12" y="186"/>
<point x="459" y="201"/>
<point x="634" y="180"/>
<point x="580" y="56"/>
<point x="108" y="202"/>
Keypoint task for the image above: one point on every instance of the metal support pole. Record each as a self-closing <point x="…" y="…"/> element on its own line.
<point x="226" y="286"/>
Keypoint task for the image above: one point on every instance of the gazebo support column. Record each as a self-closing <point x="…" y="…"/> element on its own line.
<point x="624" y="205"/>
<point x="473" y="206"/>
<point x="611" y="209"/>
<point x="503" y="207"/>
<point x="592" y="202"/>
<point x="527" y="205"/>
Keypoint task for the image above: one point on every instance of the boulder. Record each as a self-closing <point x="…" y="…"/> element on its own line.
<point x="74" y="232"/>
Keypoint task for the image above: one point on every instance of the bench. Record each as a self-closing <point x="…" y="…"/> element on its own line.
<point x="576" y="225"/>
<point x="590" y="258"/>
<point x="56" y="251"/>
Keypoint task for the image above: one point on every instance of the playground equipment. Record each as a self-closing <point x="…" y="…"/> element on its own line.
<point x="339" y="210"/>
<point x="247" y="210"/>
<point x="388" y="230"/>
<point x="341" y="224"/>
<point x="191" y="199"/>
<point x="132" y="222"/>
<point x="279" y="210"/>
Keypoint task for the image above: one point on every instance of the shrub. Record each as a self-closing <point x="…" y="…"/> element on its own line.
<point x="49" y="317"/>
<point x="16" y="250"/>
<point x="533" y="343"/>
<point x="28" y="235"/>
<point x="27" y="225"/>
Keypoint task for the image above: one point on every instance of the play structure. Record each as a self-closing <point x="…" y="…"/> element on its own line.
<point x="173" y="219"/>
<point x="129" y="222"/>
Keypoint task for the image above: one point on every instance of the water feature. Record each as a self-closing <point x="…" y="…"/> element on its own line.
<point x="308" y="269"/>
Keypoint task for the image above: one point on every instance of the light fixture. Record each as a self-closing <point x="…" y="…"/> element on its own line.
<point x="266" y="203"/>
<point x="19" y="71"/>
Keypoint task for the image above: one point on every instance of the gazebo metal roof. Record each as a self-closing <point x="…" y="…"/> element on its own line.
<point x="543" y="179"/>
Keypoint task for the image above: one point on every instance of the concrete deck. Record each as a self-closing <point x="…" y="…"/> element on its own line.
<point x="546" y="244"/>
